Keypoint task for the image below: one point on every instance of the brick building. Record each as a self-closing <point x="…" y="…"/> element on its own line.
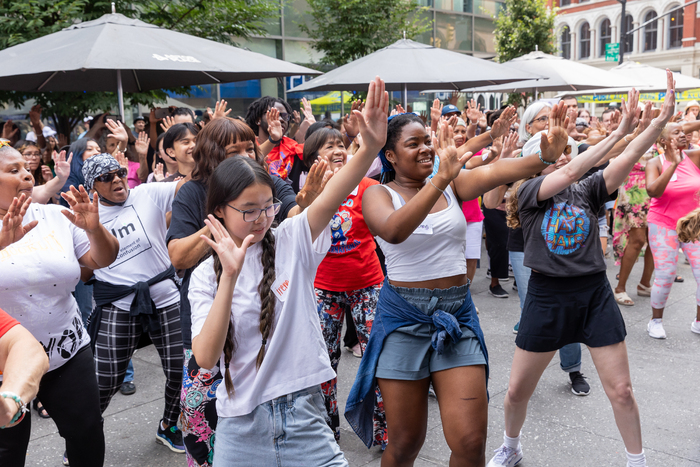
<point x="584" y="27"/>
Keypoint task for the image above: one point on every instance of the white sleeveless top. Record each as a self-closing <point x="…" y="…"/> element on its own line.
<point x="434" y="250"/>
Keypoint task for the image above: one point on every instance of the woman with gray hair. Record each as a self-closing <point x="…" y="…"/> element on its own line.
<point x="534" y="119"/>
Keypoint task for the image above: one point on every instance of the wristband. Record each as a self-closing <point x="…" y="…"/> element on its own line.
<point x="269" y="138"/>
<point x="539" y="153"/>
<point x="350" y="138"/>
<point x="21" y="408"/>
<point x="436" y="187"/>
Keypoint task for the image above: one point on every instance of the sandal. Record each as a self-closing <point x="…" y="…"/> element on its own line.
<point x="679" y="279"/>
<point x="39" y="407"/>
<point x="643" y="291"/>
<point x="623" y="299"/>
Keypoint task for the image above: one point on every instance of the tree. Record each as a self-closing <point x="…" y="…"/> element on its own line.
<point x="523" y="26"/>
<point x="346" y="30"/>
<point x="219" y="20"/>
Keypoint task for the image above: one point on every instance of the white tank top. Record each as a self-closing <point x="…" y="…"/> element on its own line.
<point x="434" y="250"/>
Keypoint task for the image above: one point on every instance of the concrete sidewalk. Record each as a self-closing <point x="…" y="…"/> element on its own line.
<point x="561" y="429"/>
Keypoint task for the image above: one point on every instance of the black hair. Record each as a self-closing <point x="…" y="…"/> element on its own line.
<point x="257" y="110"/>
<point x="183" y="111"/>
<point x="568" y="96"/>
<point x="393" y="133"/>
<point x="228" y="181"/>
<point x="178" y="132"/>
<point x="316" y="141"/>
<point x="325" y="123"/>
<point x="608" y="110"/>
<point x="493" y="116"/>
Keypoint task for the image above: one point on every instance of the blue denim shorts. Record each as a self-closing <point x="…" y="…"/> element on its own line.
<point x="289" y="431"/>
<point x="408" y="354"/>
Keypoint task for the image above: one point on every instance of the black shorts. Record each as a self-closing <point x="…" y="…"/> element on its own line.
<point x="565" y="310"/>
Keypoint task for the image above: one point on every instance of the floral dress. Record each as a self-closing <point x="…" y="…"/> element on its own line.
<point x="632" y="205"/>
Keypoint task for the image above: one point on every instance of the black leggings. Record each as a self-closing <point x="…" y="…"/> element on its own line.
<point x="496" y="242"/>
<point x="69" y="394"/>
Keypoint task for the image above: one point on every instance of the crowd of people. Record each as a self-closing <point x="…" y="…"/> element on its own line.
<point x="240" y="246"/>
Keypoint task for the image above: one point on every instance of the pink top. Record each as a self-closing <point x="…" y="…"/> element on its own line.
<point x="472" y="211"/>
<point x="680" y="196"/>
<point x="132" y="179"/>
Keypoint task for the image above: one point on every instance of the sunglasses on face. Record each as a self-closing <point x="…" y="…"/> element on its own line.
<point x="285" y="116"/>
<point x="252" y="215"/>
<point x="108" y="177"/>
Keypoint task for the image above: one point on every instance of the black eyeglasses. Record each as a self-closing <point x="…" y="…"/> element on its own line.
<point x="285" y="116"/>
<point x="252" y="215"/>
<point x="108" y="177"/>
<point x="542" y="119"/>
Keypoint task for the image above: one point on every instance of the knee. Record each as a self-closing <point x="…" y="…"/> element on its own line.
<point x="622" y="395"/>
<point x="517" y="394"/>
<point x="635" y="243"/>
<point x="405" y="446"/>
<point x="468" y="445"/>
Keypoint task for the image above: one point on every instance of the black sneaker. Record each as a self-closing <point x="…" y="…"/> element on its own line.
<point x="579" y="386"/>
<point x="170" y="438"/>
<point x="488" y="273"/>
<point x="127" y="388"/>
<point x="497" y="291"/>
<point x="510" y="271"/>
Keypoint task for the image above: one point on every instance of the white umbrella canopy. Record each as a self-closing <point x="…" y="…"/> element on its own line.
<point x="654" y="78"/>
<point x="561" y="75"/>
<point x="114" y="52"/>
<point x="407" y="65"/>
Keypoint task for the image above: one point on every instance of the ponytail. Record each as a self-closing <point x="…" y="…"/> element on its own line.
<point x="267" y="298"/>
<point x="230" y="343"/>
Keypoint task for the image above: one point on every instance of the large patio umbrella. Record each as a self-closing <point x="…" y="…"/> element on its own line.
<point x="654" y="78"/>
<point x="116" y="53"/>
<point x="406" y="65"/>
<point x="561" y="74"/>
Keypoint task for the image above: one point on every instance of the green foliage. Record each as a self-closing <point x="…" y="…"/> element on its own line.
<point x="346" y="30"/>
<point x="521" y="25"/>
<point x="219" y="20"/>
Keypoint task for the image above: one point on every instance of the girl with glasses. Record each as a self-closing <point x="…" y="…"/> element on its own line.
<point x="253" y="310"/>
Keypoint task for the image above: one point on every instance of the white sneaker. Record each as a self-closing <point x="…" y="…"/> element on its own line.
<point x="506" y="457"/>
<point x="655" y="328"/>
<point x="695" y="327"/>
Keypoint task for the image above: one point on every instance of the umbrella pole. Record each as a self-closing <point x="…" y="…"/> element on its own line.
<point x="405" y="97"/>
<point x="120" y="94"/>
<point x="342" y="104"/>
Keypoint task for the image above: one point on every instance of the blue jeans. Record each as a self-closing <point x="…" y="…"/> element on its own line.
<point x="284" y="432"/>
<point x="569" y="355"/>
<point x="83" y="295"/>
<point x="129" y="373"/>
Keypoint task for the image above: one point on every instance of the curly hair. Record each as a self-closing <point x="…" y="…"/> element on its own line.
<point x="257" y="110"/>
<point x="688" y="227"/>
<point x="228" y="181"/>
<point x="512" y="217"/>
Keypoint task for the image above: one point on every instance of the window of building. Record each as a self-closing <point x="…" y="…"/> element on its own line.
<point x="484" y="39"/>
<point x="628" y="41"/>
<point x="585" y="41"/>
<point x="566" y="42"/>
<point x="453" y="32"/>
<point x="464" y="6"/>
<point x="650" y="32"/>
<point x="605" y="36"/>
<point x="565" y="3"/>
<point x="675" y="29"/>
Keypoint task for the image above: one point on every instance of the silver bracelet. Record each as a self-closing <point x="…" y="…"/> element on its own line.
<point x="436" y="187"/>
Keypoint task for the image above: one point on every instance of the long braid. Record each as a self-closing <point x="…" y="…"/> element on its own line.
<point x="230" y="343"/>
<point x="267" y="298"/>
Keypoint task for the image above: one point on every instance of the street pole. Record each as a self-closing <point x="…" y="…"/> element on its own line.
<point x="623" y="32"/>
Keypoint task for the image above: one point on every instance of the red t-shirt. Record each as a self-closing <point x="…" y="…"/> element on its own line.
<point x="351" y="263"/>
<point x="7" y="322"/>
<point x="281" y="158"/>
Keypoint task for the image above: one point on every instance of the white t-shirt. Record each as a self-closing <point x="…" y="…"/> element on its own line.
<point x="296" y="357"/>
<point x="140" y="227"/>
<point x="38" y="275"/>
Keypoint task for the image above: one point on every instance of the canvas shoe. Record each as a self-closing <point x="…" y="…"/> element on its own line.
<point x="655" y="328"/>
<point x="695" y="327"/>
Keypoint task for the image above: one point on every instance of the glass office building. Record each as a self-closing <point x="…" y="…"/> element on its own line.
<point x="460" y="25"/>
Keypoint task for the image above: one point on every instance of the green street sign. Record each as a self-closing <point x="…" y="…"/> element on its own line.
<point x="612" y="52"/>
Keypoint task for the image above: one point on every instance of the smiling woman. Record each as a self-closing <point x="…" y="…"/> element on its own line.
<point x="41" y="251"/>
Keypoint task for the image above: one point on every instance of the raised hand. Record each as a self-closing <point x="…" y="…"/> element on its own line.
<point x="158" y="172"/>
<point x="167" y="123"/>
<point x="141" y="144"/>
<point x="669" y="101"/>
<point x="400" y="109"/>
<point x="645" y="120"/>
<point x="672" y="154"/>
<point x="552" y="145"/>
<point x="121" y="158"/>
<point x="296" y="117"/>
<point x="307" y="110"/>
<point x="315" y="182"/>
<point x="86" y="213"/>
<point x="372" y="120"/>
<point x="274" y="126"/>
<point x="117" y="131"/>
<point x="62" y="140"/>
<point x="510" y="145"/>
<point x="450" y="163"/>
<point x="220" y="109"/>
<point x="502" y="126"/>
<point x="7" y="131"/>
<point x="62" y="166"/>
<point x="630" y="114"/>
<point x="35" y="114"/>
<point x="12" y="229"/>
<point x="352" y="128"/>
<point x="46" y="173"/>
<point x="454" y="98"/>
<point x="436" y="111"/>
<point x="473" y="111"/>
<point x="231" y="255"/>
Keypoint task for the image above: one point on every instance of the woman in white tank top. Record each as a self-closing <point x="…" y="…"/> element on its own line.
<point x="421" y="230"/>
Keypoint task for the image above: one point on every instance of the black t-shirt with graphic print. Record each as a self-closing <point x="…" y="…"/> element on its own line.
<point x="557" y="231"/>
